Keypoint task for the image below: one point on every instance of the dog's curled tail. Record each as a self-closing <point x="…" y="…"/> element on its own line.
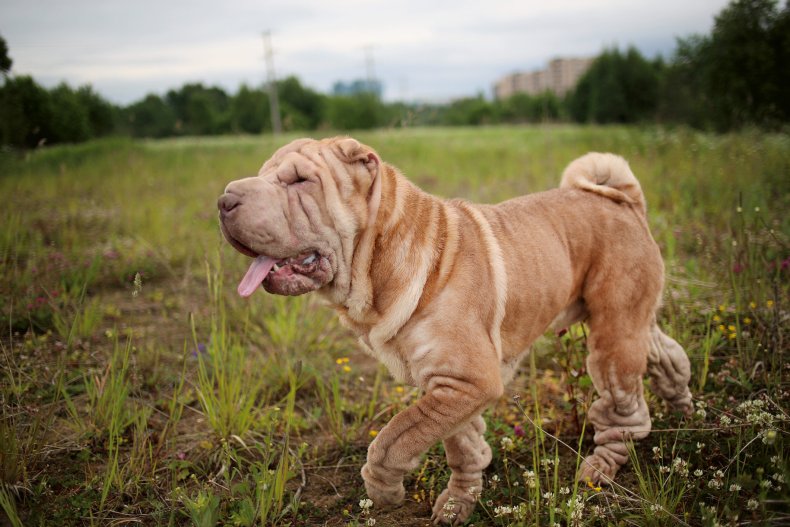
<point x="605" y="174"/>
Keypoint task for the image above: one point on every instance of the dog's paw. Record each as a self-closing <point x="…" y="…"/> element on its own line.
<point x="385" y="492"/>
<point x="596" y="470"/>
<point x="452" y="510"/>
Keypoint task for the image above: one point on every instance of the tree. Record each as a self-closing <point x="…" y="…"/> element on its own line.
<point x="26" y="108"/>
<point x="249" y="111"/>
<point x="620" y="88"/>
<point x="5" y="60"/>
<point x="151" y="117"/>
<point x="301" y="107"/>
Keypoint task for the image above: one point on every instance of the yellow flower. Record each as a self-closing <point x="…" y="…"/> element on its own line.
<point x="722" y="328"/>
<point x="342" y="360"/>
<point x="752" y="305"/>
<point x="716" y="318"/>
<point x="399" y="389"/>
<point x="722" y="307"/>
<point x="373" y="433"/>
<point x="346" y="369"/>
<point x="747" y="321"/>
<point x="731" y="327"/>
<point x="732" y="336"/>
<point x="769" y="304"/>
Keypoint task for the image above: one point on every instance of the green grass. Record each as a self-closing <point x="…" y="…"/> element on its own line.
<point x="138" y="387"/>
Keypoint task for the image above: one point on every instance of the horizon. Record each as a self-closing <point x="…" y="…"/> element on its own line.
<point x="128" y="52"/>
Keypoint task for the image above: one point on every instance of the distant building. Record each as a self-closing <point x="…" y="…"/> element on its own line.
<point x="559" y="77"/>
<point x="358" y="86"/>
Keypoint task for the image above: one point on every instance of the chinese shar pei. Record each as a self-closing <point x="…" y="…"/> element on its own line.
<point x="450" y="294"/>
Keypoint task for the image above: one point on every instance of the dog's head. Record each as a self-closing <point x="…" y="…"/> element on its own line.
<point x="301" y="216"/>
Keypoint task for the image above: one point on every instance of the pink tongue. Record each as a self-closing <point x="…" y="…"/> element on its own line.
<point x="258" y="270"/>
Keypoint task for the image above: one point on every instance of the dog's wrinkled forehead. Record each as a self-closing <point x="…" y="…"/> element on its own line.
<point x="277" y="157"/>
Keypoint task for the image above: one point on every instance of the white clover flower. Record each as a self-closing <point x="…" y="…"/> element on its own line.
<point x="503" y="510"/>
<point x="529" y="479"/>
<point x="656" y="508"/>
<point x="656" y="452"/>
<point x="766" y="484"/>
<point x="735" y="487"/>
<point x="681" y="467"/>
<point x="700" y="446"/>
<point x="548" y="496"/>
<point x="565" y="491"/>
<point x="779" y="478"/>
<point x="752" y="504"/>
<point x="775" y="460"/>
<point x="701" y="413"/>
<point x="448" y="510"/>
<point x="365" y="504"/>
<point x="495" y="478"/>
<point x="698" y="472"/>
<point x="370" y="522"/>
<point x="663" y="470"/>
<point x="725" y="420"/>
<point x="507" y="444"/>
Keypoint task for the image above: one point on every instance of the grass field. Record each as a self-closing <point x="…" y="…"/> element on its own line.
<point x="138" y="388"/>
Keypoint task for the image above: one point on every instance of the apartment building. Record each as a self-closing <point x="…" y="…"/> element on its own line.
<point x="559" y="77"/>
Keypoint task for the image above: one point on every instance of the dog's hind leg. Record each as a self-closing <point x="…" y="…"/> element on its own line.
<point x="670" y="370"/>
<point x="620" y="414"/>
<point x="468" y="455"/>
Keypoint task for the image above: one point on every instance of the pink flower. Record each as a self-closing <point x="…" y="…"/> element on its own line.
<point x="519" y="431"/>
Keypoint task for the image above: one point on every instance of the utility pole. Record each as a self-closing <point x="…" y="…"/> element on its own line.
<point x="274" y="103"/>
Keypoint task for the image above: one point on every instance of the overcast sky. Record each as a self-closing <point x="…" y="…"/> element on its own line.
<point x="421" y="49"/>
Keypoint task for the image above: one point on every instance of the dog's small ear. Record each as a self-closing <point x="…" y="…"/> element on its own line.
<point x="355" y="151"/>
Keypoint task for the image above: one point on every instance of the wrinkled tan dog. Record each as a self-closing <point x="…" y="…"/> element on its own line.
<point x="450" y="295"/>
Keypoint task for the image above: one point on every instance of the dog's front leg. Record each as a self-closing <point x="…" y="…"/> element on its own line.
<point x="445" y="410"/>
<point x="468" y="455"/>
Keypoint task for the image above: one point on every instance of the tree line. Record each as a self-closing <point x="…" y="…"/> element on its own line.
<point x="736" y="76"/>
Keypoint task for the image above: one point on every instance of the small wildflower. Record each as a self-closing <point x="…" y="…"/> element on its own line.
<point x="698" y="472"/>
<point x="779" y="478"/>
<point x="732" y="336"/>
<point x="507" y="444"/>
<point x="656" y="452"/>
<point x="716" y="318"/>
<point x="518" y="431"/>
<point x="700" y="446"/>
<point x="701" y="413"/>
<point x="725" y="420"/>
<point x="655" y="508"/>
<point x="756" y="209"/>
<point x="722" y="328"/>
<point x="747" y="321"/>
<point x="370" y="522"/>
<point x="664" y="470"/>
<point x="739" y="209"/>
<point x="549" y="496"/>
<point x="448" y="510"/>
<point x="346" y="368"/>
<point x="399" y="389"/>
<point x="766" y="484"/>
<point x="138" y="284"/>
<point x="752" y="305"/>
<point x="752" y="504"/>
<point x="373" y="433"/>
<point x="529" y="479"/>
<point x="735" y="487"/>
<point x="596" y="489"/>
<point x="769" y="304"/>
<point x="722" y="307"/>
<point x="565" y="491"/>
<point x="365" y="504"/>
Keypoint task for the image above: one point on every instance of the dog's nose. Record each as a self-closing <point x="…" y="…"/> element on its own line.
<point x="227" y="202"/>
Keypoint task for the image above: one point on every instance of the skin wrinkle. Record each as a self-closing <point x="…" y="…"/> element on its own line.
<point x="420" y="282"/>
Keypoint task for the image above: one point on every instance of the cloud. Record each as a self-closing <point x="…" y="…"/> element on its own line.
<point x="438" y="49"/>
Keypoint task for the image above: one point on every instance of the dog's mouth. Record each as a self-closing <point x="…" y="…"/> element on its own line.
<point x="295" y="275"/>
<point x="286" y="276"/>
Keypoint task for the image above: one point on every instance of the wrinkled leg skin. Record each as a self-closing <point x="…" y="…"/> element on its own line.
<point x="617" y="363"/>
<point x="670" y="371"/>
<point x="468" y="455"/>
<point x="449" y="410"/>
